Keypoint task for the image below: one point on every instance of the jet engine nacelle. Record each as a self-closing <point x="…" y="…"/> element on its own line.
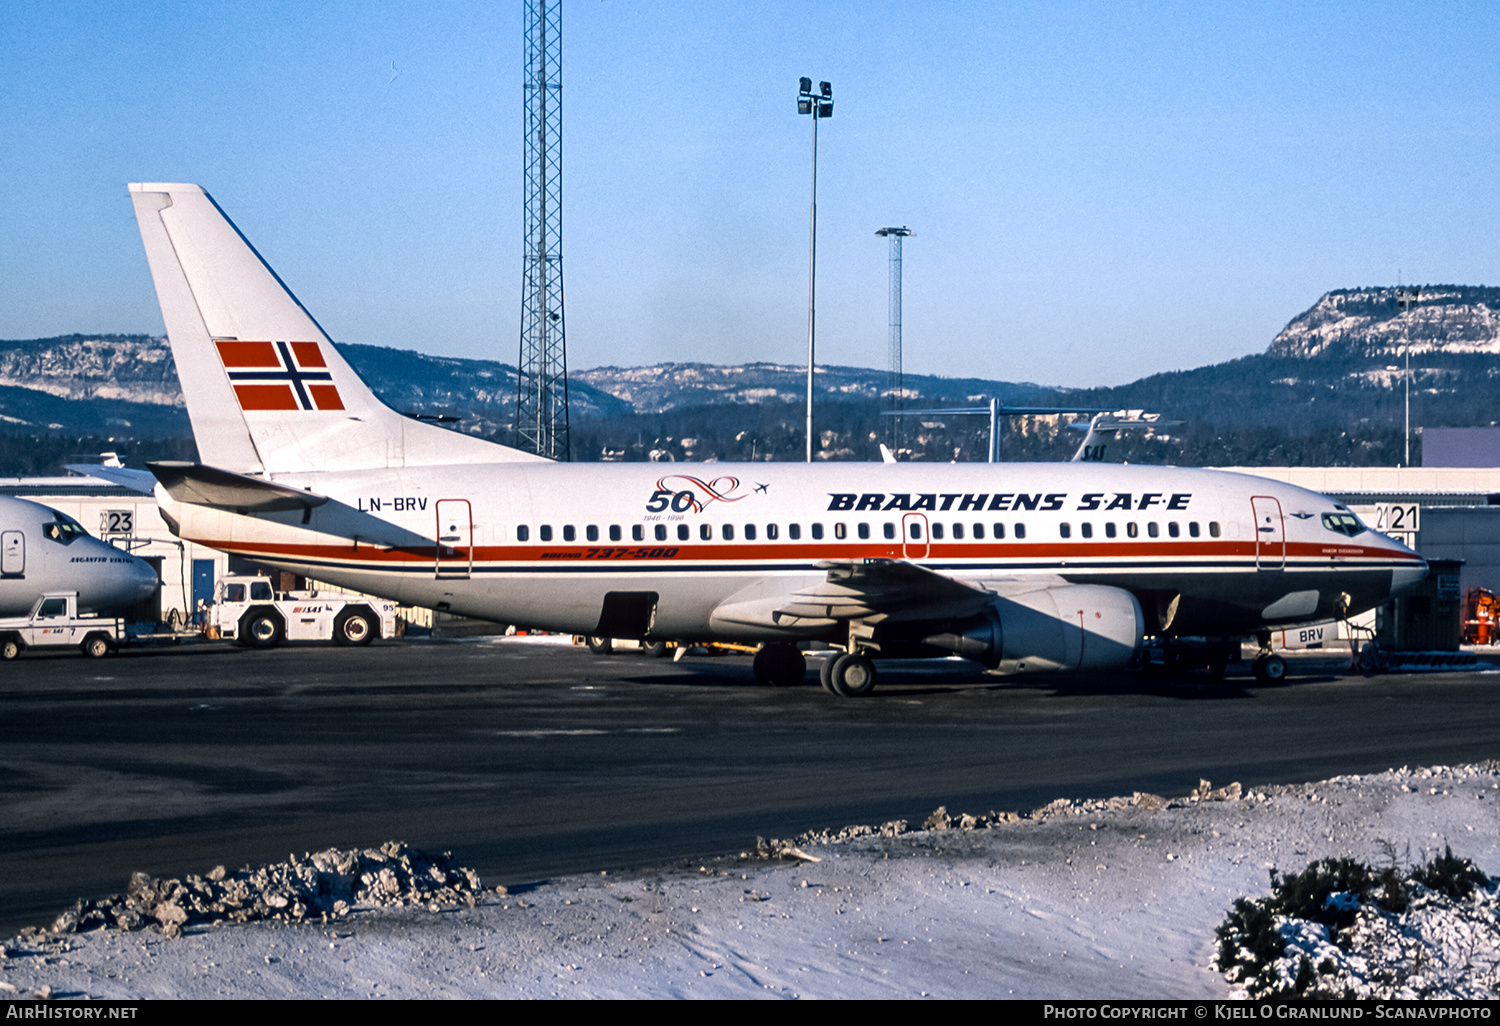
<point x="1071" y="627"/>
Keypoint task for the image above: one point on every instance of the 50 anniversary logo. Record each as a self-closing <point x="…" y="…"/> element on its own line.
<point x="681" y="493"/>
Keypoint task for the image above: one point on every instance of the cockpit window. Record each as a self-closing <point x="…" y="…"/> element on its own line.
<point x="1344" y="523"/>
<point x="63" y="529"/>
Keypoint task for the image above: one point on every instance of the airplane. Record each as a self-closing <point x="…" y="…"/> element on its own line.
<point x="44" y="550"/>
<point x="1019" y="567"/>
<point x="1102" y="426"/>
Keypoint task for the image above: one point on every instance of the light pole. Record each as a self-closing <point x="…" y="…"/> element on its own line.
<point x="894" y="385"/>
<point x="1405" y="298"/>
<point x="819" y="105"/>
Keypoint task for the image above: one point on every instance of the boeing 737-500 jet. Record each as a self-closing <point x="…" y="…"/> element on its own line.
<point x="1021" y="567"/>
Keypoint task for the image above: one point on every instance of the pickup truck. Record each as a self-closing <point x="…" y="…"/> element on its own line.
<point x="54" y="623"/>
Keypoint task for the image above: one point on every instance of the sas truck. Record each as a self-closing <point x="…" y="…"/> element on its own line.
<point x="54" y="623"/>
<point x="248" y="610"/>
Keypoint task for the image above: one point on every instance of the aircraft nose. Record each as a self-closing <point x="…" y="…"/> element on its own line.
<point x="1407" y="576"/>
<point x="143" y="581"/>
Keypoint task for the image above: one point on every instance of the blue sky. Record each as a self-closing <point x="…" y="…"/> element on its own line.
<point x="1099" y="190"/>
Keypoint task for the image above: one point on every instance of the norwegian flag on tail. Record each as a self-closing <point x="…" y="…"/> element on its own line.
<point x="279" y="375"/>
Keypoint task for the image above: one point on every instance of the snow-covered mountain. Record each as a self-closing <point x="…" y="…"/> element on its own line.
<point x="1371" y="323"/>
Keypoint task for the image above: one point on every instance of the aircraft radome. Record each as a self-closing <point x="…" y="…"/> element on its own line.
<point x="1021" y="567"/>
<point x="43" y="551"/>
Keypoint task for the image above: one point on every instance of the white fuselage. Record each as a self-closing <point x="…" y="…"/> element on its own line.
<point x="540" y="545"/>
<point x="43" y="551"/>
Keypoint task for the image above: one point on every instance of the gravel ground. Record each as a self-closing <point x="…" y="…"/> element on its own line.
<point x="1114" y="899"/>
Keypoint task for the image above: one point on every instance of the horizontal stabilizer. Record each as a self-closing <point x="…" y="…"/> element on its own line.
<point x="220" y="489"/>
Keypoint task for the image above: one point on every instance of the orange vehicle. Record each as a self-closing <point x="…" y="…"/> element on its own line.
<point x="1481" y="613"/>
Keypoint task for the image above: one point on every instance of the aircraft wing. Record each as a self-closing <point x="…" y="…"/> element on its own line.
<point x="135" y="480"/>
<point x="221" y="489"/>
<point x="887" y="588"/>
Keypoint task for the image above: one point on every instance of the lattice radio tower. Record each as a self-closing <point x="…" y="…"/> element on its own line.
<point x="542" y="378"/>
<point x="893" y="384"/>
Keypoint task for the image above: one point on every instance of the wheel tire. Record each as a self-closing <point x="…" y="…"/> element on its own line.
<point x="654" y="649"/>
<point x="825" y="672"/>
<point x="1270" y="669"/>
<point x="262" y="628"/>
<point x="600" y="646"/>
<point x="95" y="646"/>
<point x="852" y="676"/>
<point x="354" y="627"/>
<point x="10" y="649"/>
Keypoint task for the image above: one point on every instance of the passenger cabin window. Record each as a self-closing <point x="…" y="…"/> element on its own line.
<point x="523" y="533"/>
<point x="1087" y="530"/>
<point x="958" y="531"/>
<point x="706" y="532"/>
<point x="817" y="532"/>
<point x="1213" y="528"/>
<point x="772" y="532"/>
<point x="684" y="532"/>
<point x="1173" y="529"/>
<point x="749" y="532"/>
<point x="889" y="530"/>
<point x="728" y="531"/>
<point x="1153" y="530"/>
<point x="569" y="534"/>
<point x="1020" y="530"/>
<point x="841" y="531"/>
<point x="1065" y="530"/>
<point x="999" y="531"/>
<point x="591" y="532"/>
<point x="794" y="531"/>
<point x="545" y="532"/>
<point x="979" y="532"/>
<point x="637" y="532"/>
<point x="864" y="531"/>
<point x="937" y="530"/>
<point x="1109" y="530"/>
<point x="1193" y="528"/>
<point x="614" y="532"/>
<point x="1132" y="529"/>
<point x="661" y="532"/>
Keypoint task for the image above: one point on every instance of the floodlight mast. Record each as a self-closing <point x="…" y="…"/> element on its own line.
<point x="894" y="384"/>
<point x="819" y="105"/>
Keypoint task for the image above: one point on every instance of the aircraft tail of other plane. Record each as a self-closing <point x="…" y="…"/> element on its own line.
<point x="266" y="390"/>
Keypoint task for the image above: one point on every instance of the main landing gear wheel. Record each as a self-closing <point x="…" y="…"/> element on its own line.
<point x="825" y="672"/>
<point x="654" y="649"/>
<point x="779" y="666"/>
<point x="1270" y="669"/>
<point x="600" y="646"/>
<point x="851" y="676"/>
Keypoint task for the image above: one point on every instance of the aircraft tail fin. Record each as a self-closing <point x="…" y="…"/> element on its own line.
<point x="266" y="390"/>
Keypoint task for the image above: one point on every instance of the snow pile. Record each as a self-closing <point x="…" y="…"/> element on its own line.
<point x="1342" y="930"/>
<point x="318" y="886"/>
